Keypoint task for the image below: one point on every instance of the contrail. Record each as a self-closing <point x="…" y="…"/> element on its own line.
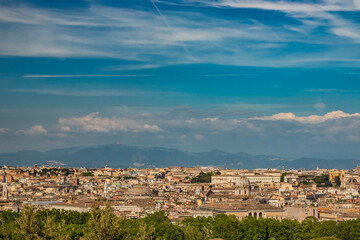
<point x="170" y="28"/>
<point x="86" y="75"/>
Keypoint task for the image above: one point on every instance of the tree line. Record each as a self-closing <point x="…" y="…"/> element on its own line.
<point x="103" y="224"/>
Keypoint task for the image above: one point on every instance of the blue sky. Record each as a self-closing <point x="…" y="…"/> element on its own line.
<point x="264" y="77"/>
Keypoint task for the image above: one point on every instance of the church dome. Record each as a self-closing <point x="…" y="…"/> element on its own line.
<point x="242" y="182"/>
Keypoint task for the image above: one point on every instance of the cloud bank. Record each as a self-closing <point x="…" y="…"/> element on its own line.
<point x="333" y="134"/>
<point x="309" y="119"/>
<point x="94" y="123"/>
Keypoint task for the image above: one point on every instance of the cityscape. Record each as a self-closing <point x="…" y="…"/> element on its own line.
<point x="179" y="194"/>
<point x="180" y="120"/>
<point x="327" y="195"/>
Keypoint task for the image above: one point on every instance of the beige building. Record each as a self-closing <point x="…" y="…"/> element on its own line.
<point x="241" y="210"/>
<point x="350" y="181"/>
<point x="80" y="207"/>
<point x="254" y="180"/>
<point x="300" y="212"/>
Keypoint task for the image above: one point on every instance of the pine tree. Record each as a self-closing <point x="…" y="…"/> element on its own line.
<point x="29" y="226"/>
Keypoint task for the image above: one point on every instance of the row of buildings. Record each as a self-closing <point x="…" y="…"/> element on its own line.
<point x="133" y="193"/>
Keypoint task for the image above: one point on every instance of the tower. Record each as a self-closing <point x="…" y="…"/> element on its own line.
<point x="106" y="194"/>
<point x="5" y="192"/>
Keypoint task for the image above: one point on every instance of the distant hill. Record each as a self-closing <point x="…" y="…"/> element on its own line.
<point x="123" y="156"/>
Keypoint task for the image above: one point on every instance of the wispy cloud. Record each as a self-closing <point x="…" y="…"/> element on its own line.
<point x="169" y="27"/>
<point x="93" y="92"/>
<point x="135" y="67"/>
<point x="323" y="90"/>
<point x="324" y="13"/>
<point x="286" y="6"/>
<point x="82" y="75"/>
<point x="163" y="37"/>
<point x="83" y="93"/>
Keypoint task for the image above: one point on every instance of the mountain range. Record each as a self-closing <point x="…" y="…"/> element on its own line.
<point x="123" y="156"/>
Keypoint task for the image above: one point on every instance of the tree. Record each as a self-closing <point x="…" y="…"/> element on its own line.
<point x="349" y="229"/>
<point x="202" y="178"/>
<point x="54" y="230"/>
<point x="227" y="227"/>
<point x="193" y="233"/>
<point x="146" y="232"/>
<point x="8" y="225"/>
<point x="325" y="229"/>
<point x="322" y="181"/>
<point x="102" y="225"/>
<point x="308" y="226"/>
<point x="29" y="226"/>
<point x="337" y="181"/>
<point x="326" y="238"/>
<point x="199" y="227"/>
<point x="87" y="174"/>
<point x="164" y="229"/>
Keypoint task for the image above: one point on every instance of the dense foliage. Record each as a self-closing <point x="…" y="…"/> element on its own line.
<point x="53" y="171"/>
<point x="322" y="181"/>
<point x="204" y="177"/>
<point x="103" y="224"/>
<point x="127" y="177"/>
<point x="87" y="174"/>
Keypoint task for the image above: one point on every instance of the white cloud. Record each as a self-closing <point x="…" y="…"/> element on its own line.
<point x="94" y="123"/>
<point x="347" y="31"/>
<point x="204" y="123"/>
<point x="34" y="130"/>
<point x="4" y="130"/>
<point x="210" y="119"/>
<point x="282" y="131"/>
<point x="192" y="120"/>
<point x="309" y="119"/>
<point x="65" y="128"/>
